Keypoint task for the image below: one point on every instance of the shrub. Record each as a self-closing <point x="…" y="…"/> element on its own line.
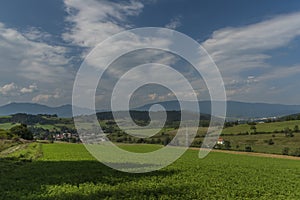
<point x="248" y="148"/>
<point x="285" y="151"/>
<point x="270" y="142"/>
<point x="296" y="152"/>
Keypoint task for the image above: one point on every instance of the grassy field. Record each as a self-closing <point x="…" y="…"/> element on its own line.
<point x="68" y="171"/>
<point x="52" y="127"/>
<point x="263" y="127"/>
<point x="259" y="142"/>
<point x="7" y="126"/>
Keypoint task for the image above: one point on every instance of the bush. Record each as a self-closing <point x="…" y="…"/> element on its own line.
<point x="227" y="145"/>
<point x="22" y="131"/>
<point x="285" y="151"/>
<point x="270" y="142"/>
<point x="248" y="148"/>
<point x="296" y="152"/>
<point x="166" y="141"/>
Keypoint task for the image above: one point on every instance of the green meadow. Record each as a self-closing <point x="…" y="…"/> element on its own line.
<point x="68" y="171"/>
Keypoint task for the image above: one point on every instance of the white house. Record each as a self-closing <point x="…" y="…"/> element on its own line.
<point x="220" y="141"/>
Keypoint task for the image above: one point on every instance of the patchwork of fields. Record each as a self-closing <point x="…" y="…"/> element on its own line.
<point x="68" y="171"/>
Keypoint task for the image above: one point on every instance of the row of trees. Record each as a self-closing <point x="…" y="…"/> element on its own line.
<point x="28" y="119"/>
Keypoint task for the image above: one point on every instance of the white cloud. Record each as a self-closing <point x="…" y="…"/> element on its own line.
<point x="244" y="47"/>
<point x="258" y="36"/>
<point x="239" y="50"/>
<point x="41" y="98"/>
<point x="33" y="60"/>
<point x="93" y="21"/>
<point x="174" y="23"/>
<point x="9" y="89"/>
<point x="26" y="57"/>
<point x="29" y="54"/>
<point x="12" y="89"/>
<point x="35" y="34"/>
<point x="30" y="89"/>
<point x="46" y="97"/>
<point x="152" y="96"/>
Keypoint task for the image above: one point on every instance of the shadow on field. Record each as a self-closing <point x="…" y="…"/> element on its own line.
<point x="32" y="180"/>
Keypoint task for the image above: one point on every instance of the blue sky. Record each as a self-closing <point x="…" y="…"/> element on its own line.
<point x="256" y="44"/>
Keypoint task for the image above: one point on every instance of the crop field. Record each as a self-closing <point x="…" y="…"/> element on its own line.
<point x="263" y="127"/>
<point x="68" y="171"/>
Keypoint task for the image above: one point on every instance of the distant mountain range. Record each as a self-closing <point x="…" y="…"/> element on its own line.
<point x="234" y="109"/>
<point x="34" y="109"/>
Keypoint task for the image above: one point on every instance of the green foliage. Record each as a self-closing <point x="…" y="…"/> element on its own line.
<point x="166" y="140"/>
<point x="7" y="126"/>
<point x="296" y="152"/>
<point x="285" y="151"/>
<point x="270" y="142"/>
<point x="248" y="149"/>
<point x="5" y="144"/>
<point x="4" y="134"/>
<point x="22" y="131"/>
<point x="68" y="171"/>
<point x="22" y="152"/>
<point x="296" y="128"/>
<point x="253" y="129"/>
<point x="288" y="132"/>
<point x="227" y="145"/>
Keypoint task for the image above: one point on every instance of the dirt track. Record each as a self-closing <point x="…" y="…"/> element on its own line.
<point x="254" y="154"/>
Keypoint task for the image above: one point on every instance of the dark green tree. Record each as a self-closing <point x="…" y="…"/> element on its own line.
<point x="270" y="142"/>
<point x="296" y="152"/>
<point x="248" y="149"/>
<point x="22" y="131"/>
<point x="288" y="132"/>
<point x="166" y="141"/>
<point x="285" y="151"/>
<point x="253" y="128"/>
<point x="296" y="129"/>
<point x="227" y="144"/>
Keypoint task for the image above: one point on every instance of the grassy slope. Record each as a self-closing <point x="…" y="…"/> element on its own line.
<point x="68" y="171"/>
<point x="264" y="127"/>
<point x="7" y="126"/>
<point x="259" y="142"/>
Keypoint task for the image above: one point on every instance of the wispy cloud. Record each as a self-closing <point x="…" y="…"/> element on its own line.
<point x="174" y="23"/>
<point x="239" y="50"/>
<point x="244" y="47"/>
<point x="42" y="98"/>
